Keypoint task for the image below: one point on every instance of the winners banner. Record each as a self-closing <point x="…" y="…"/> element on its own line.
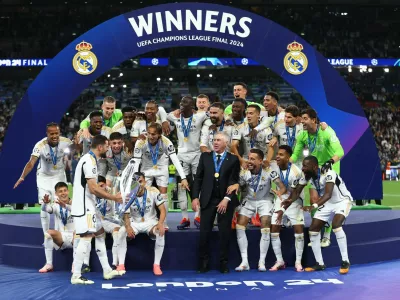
<point x="199" y="25"/>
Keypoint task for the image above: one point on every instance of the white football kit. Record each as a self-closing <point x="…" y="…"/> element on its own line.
<point x="189" y="147"/>
<point x="62" y="215"/>
<point x="87" y="143"/>
<point x="256" y="192"/>
<point x="120" y="127"/>
<point x="294" y="211"/>
<point x="114" y="164"/>
<point x="341" y="200"/>
<point x="162" y="152"/>
<point x="140" y="126"/>
<point x="86" y="217"/>
<point x="51" y="167"/>
<point x="106" y="208"/>
<point x="207" y="135"/>
<point x="144" y="224"/>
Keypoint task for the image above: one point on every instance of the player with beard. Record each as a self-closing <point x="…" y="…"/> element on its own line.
<point x="153" y="154"/>
<point x="142" y="218"/>
<point x="256" y="197"/>
<point x="325" y="146"/>
<point x="333" y="197"/>
<point x="240" y="90"/>
<point x="124" y="126"/>
<point x="109" y="114"/>
<point x="202" y="103"/>
<point x="188" y="125"/>
<point x="51" y="168"/>
<point x="87" y="220"/>
<point x="290" y="175"/>
<point x="153" y="114"/>
<point x="96" y="128"/>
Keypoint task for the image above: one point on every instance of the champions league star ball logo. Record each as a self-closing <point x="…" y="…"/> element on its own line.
<point x="84" y="62"/>
<point x="295" y="61"/>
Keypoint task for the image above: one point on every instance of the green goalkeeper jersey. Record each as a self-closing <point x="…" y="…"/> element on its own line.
<point x="323" y="145"/>
<point x="115" y="118"/>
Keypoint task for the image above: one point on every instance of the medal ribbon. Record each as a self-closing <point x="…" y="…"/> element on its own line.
<point x="285" y="179"/>
<point x="311" y="144"/>
<point x="275" y="120"/>
<point x="316" y="183"/>
<point x="118" y="162"/>
<point x="221" y="128"/>
<point x="53" y="155"/>
<point x="154" y="152"/>
<point x="103" y="209"/>
<point x="185" y="129"/>
<point x="290" y="138"/>
<point x="254" y="182"/>
<point x="142" y="209"/>
<point x="64" y="216"/>
<point x="252" y="141"/>
<point x="218" y="167"/>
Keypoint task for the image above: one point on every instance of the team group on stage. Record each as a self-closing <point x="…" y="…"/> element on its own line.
<point x="227" y="159"/>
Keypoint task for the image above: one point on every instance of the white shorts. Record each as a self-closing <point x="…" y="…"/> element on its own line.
<point x="161" y="175"/>
<point x="89" y="223"/>
<point x="250" y="207"/>
<point x="68" y="238"/>
<point x="109" y="226"/>
<point x="46" y="184"/>
<point x="189" y="162"/>
<point x="294" y="212"/>
<point x="324" y="212"/>
<point x="143" y="227"/>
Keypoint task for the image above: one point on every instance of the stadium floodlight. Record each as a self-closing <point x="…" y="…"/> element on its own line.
<point x="370" y="70"/>
<point x="124" y="86"/>
<point x="386" y="70"/>
<point x="302" y="33"/>
<point x="121" y="74"/>
<point x="170" y="79"/>
<point x="112" y="85"/>
<point x="306" y="152"/>
<point x="350" y="69"/>
<point x="158" y="79"/>
<point x="108" y="75"/>
<point x="210" y="75"/>
<point x="74" y="33"/>
<point x="198" y="75"/>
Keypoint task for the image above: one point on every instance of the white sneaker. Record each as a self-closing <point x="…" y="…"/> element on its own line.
<point x="80" y="280"/>
<point x="111" y="274"/>
<point x="243" y="267"/>
<point x="261" y="267"/>
<point x="325" y="242"/>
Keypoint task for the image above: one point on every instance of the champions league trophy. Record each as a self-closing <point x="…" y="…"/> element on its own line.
<point x="128" y="185"/>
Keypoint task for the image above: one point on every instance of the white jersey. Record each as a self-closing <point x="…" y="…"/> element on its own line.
<point x="83" y="198"/>
<point x="293" y="179"/>
<point x="46" y="154"/>
<point x="272" y="121"/>
<point x="142" y="152"/>
<point x="105" y="207"/>
<point x="120" y="127"/>
<point x="261" y="141"/>
<point x="153" y="199"/>
<point x="193" y="140"/>
<point x="248" y="183"/>
<point x="60" y="214"/>
<point x="287" y="135"/>
<point x="114" y="164"/>
<point x="207" y="135"/>
<point x="340" y="192"/>
<point x="87" y="143"/>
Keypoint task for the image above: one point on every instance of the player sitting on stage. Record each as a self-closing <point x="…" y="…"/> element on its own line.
<point x="256" y="198"/>
<point x="144" y="218"/>
<point x="290" y="175"/>
<point x="107" y="209"/>
<point x="333" y="198"/>
<point x="63" y="237"/>
<point x="87" y="219"/>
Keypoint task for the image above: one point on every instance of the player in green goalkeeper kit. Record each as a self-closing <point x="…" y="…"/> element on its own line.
<point x="325" y="146"/>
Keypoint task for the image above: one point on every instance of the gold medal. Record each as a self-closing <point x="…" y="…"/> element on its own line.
<point x="254" y="194"/>
<point x="54" y="167"/>
<point x="216" y="175"/>
<point x="185" y="139"/>
<point x="155" y="167"/>
<point x="142" y="219"/>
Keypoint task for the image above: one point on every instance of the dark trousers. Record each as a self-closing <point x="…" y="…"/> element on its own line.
<point x="224" y="228"/>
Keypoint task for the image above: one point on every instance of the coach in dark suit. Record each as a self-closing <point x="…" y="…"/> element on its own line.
<point x="217" y="171"/>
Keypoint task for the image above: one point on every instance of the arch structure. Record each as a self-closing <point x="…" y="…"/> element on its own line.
<point x="200" y="25"/>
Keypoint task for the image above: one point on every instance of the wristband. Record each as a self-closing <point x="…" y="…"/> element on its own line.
<point x="315" y="205"/>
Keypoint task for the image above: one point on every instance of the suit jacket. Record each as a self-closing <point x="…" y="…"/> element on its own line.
<point x="204" y="179"/>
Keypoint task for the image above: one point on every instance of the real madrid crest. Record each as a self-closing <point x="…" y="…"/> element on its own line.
<point x="84" y="62"/>
<point x="295" y="61"/>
